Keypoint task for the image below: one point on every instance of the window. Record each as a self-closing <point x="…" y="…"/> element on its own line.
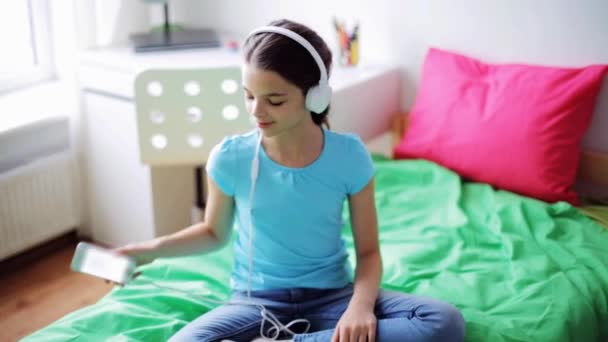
<point x="26" y="43"/>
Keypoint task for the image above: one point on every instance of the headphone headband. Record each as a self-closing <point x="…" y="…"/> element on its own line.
<point x="305" y="43"/>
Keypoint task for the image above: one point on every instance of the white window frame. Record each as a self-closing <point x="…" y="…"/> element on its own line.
<point x="41" y="35"/>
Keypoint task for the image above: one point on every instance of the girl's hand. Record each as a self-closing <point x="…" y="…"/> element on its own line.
<point x="142" y="252"/>
<point x="358" y="323"/>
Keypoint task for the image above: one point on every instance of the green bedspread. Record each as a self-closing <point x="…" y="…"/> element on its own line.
<point x="519" y="269"/>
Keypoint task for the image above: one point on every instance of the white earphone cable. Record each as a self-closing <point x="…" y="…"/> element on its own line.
<point x="255" y="167"/>
<point x="267" y="316"/>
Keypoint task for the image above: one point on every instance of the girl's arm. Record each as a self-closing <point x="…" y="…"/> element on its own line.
<point x="358" y="322"/>
<point x="202" y="237"/>
<point x="364" y="222"/>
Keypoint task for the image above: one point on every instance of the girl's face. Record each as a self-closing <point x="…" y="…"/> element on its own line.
<point x="276" y="104"/>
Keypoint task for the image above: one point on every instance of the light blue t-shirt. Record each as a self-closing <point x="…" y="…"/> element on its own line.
<point x="297" y="212"/>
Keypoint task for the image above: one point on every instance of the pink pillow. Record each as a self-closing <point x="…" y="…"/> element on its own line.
<point x="517" y="127"/>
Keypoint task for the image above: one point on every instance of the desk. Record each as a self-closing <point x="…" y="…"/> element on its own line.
<point x="128" y="201"/>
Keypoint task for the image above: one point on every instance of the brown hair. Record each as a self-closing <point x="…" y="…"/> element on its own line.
<point x="289" y="59"/>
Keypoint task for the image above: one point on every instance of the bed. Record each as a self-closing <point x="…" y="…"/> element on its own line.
<point x="519" y="269"/>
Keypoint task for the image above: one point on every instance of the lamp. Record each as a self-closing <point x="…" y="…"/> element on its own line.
<point x="173" y="37"/>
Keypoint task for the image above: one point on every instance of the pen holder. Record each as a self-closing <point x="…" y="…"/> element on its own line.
<point x="348" y="44"/>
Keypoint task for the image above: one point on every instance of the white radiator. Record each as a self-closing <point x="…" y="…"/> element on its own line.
<point x="38" y="201"/>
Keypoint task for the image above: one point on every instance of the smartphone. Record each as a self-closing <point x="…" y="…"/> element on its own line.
<point x="103" y="263"/>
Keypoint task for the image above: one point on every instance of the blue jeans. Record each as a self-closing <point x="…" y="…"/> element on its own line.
<point x="401" y="317"/>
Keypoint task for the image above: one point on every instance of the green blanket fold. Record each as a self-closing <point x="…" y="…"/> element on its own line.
<point x="518" y="268"/>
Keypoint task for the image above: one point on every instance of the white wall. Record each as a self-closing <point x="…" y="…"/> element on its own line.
<point x="548" y="32"/>
<point x="112" y="21"/>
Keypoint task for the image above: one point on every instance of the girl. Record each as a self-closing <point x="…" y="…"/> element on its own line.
<point x="290" y="259"/>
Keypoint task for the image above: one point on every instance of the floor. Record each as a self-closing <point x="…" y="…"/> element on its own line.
<point x="42" y="291"/>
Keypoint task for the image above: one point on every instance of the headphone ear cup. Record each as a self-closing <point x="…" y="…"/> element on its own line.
<point x="318" y="98"/>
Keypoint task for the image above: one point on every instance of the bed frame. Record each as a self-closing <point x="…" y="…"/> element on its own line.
<point x="593" y="166"/>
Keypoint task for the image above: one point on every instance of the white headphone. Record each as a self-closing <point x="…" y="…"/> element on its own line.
<point x="319" y="96"/>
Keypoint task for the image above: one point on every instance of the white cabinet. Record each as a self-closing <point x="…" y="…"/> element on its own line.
<point x="121" y="191"/>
